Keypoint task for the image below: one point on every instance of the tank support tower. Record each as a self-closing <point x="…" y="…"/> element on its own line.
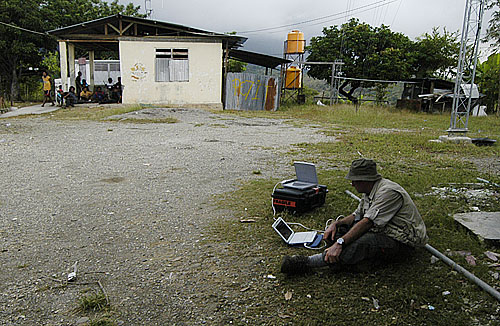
<point x="292" y="73"/>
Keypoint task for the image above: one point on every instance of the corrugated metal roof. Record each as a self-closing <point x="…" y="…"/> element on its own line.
<point x="259" y="59"/>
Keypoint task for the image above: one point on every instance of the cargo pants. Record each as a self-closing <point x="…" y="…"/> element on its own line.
<point x="369" y="251"/>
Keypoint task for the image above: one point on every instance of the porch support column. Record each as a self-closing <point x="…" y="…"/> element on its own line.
<point x="71" y="64"/>
<point x="91" y="67"/>
<point x="63" y="59"/>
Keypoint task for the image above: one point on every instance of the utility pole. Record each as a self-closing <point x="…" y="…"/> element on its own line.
<point x="148" y="7"/>
<point x="335" y="84"/>
<point x="466" y="70"/>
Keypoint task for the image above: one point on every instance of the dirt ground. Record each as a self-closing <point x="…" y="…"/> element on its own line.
<point x="131" y="204"/>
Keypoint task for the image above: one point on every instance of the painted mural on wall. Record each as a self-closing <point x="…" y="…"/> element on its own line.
<point x="138" y="72"/>
<point x="251" y="92"/>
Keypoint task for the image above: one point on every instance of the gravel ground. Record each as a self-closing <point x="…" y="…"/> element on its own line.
<point x="130" y="203"/>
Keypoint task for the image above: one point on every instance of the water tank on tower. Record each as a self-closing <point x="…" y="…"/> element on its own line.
<point x="295" y="42"/>
<point x="292" y="78"/>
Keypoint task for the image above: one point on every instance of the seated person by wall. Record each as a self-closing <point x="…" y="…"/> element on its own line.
<point x="99" y="95"/>
<point x="70" y="98"/>
<point x="109" y="86"/>
<point x="85" y="95"/>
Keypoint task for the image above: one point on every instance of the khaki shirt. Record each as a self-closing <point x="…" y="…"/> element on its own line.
<point x="393" y="213"/>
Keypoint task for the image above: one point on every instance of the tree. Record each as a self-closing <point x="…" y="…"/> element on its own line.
<point x="236" y="66"/>
<point x="21" y="49"/>
<point x="18" y="47"/>
<point x="436" y="54"/>
<point x="367" y="52"/>
<point x="488" y="72"/>
<point x="61" y="13"/>
<point x="378" y="53"/>
<point x="493" y="31"/>
<point x="488" y="80"/>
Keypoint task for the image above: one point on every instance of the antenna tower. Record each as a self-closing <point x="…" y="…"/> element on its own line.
<point x="148" y="7"/>
<point x="466" y="69"/>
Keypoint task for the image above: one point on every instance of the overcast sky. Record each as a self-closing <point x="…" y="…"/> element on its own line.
<point x="410" y="17"/>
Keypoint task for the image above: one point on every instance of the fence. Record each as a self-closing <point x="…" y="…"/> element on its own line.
<point x="251" y="92"/>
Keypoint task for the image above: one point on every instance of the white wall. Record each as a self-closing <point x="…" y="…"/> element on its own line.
<point x="137" y="59"/>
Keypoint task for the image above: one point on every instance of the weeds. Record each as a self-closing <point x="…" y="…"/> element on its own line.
<point x="94" y="302"/>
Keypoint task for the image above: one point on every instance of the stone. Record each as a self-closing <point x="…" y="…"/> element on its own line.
<point x="486" y="225"/>
<point x="82" y="320"/>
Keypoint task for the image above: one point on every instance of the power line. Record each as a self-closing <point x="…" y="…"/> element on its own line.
<point x="397" y="11"/>
<point x="375" y="5"/>
<point x="330" y="20"/>
<point x="25" y="30"/>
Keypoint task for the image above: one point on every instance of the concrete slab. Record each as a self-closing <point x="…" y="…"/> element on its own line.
<point x="486" y="225"/>
<point x="456" y="139"/>
<point x="34" y="109"/>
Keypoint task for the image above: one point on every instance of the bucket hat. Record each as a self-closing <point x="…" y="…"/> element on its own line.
<point x="363" y="170"/>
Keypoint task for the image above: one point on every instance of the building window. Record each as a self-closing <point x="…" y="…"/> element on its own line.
<point x="100" y="66"/>
<point x="172" y="65"/>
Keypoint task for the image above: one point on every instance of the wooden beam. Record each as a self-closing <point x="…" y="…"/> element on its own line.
<point x="113" y="27"/>
<point x="89" y="37"/>
<point x="106" y="29"/>
<point x="90" y="41"/>
<point x="126" y="28"/>
<point x="120" y="24"/>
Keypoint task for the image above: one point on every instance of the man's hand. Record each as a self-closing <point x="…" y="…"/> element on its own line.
<point x="330" y="232"/>
<point x="333" y="254"/>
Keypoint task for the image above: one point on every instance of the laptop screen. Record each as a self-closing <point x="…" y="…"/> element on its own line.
<point x="306" y="172"/>
<point x="284" y="230"/>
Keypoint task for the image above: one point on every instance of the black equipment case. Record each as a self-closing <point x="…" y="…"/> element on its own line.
<point x="299" y="201"/>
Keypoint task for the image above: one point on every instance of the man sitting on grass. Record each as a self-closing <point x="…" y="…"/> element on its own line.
<point x="386" y="225"/>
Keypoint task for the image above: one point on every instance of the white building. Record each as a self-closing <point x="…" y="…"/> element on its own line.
<point x="160" y="63"/>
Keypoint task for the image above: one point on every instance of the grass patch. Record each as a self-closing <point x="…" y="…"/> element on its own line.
<point x="93" y="113"/>
<point x="399" y="142"/>
<point x="141" y="120"/>
<point x="102" y="322"/>
<point x="218" y="125"/>
<point x="100" y="113"/>
<point x="94" y="302"/>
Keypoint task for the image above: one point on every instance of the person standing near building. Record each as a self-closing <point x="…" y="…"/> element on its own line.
<point x="78" y="84"/>
<point x="47" y="88"/>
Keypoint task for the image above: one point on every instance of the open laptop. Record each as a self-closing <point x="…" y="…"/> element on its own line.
<point x="306" y="176"/>
<point x="291" y="237"/>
